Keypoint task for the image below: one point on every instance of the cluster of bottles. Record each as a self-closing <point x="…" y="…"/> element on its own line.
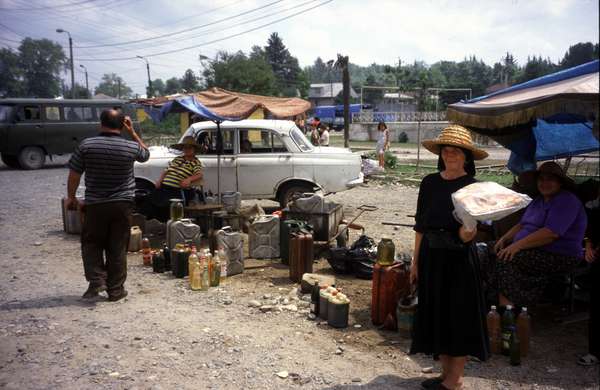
<point x="206" y="270"/>
<point x="331" y="304"/>
<point x="386" y="252"/>
<point x="509" y="335"/>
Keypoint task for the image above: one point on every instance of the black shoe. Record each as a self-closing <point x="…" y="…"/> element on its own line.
<point x="117" y="296"/>
<point x="431" y="383"/>
<point x="93" y="291"/>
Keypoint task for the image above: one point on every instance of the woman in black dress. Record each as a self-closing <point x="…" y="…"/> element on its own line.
<point x="450" y="318"/>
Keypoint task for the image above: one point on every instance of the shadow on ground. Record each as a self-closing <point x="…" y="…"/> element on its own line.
<point x="48" y="303"/>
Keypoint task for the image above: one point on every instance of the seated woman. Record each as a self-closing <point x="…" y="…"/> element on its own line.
<point x="546" y="242"/>
<point x="176" y="181"/>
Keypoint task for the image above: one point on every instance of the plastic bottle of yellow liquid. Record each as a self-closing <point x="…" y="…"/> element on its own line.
<point x="205" y="273"/>
<point x="195" y="271"/>
<point x="215" y="274"/>
<point x="224" y="262"/>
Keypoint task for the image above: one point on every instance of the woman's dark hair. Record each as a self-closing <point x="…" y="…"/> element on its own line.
<point x="112" y="119"/>
<point x="469" y="161"/>
<point x="381" y="123"/>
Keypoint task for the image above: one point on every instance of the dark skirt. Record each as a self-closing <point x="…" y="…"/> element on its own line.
<point x="451" y="314"/>
<point x="525" y="278"/>
<point x="158" y="203"/>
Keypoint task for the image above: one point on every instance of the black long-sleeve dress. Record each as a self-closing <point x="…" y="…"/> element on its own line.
<point x="450" y="318"/>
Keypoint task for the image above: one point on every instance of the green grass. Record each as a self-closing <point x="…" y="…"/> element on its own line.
<point x="408" y="174"/>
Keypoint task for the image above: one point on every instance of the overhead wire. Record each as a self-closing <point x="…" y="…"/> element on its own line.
<point x="215" y="40"/>
<point x="48" y="7"/>
<point x="187" y="29"/>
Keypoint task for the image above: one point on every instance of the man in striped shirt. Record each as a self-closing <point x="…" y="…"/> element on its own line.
<point x="107" y="161"/>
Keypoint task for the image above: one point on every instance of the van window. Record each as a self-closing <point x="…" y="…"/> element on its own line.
<point x="52" y="113"/>
<point x="29" y="113"/>
<point x="5" y="113"/>
<point x="79" y="114"/>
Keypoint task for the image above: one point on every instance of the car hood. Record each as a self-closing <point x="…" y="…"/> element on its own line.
<point x="331" y="150"/>
<point x="162" y="152"/>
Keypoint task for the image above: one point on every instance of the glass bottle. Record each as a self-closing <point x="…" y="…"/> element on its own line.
<point x="195" y="271"/>
<point x="493" y="326"/>
<point x="205" y="275"/>
<point x="508" y="325"/>
<point x="314" y="299"/>
<point x="524" y="330"/>
<point x="386" y="250"/>
<point x="215" y="277"/>
<point x="224" y="262"/>
<point x="176" y="209"/>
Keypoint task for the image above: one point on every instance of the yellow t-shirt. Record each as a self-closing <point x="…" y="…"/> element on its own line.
<point x="180" y="168"/>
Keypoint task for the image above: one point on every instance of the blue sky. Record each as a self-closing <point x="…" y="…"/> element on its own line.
<point x="381" y="31"/>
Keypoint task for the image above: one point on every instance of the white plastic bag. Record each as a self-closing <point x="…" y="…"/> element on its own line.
<point x="486" y="201"/>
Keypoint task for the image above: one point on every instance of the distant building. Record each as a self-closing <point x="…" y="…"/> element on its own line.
<point x="396" y="102"/>
<point x="102" y="96"/>
<point x="325" y="94"/>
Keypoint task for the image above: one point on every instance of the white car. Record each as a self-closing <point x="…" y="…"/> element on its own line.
<point x="262" y="159"/>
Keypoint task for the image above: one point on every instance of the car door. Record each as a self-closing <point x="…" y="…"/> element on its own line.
<point x="209" y="159"/>
<point x="263" y="163"/>
<point x="28" y="128"/>
<point x="58" y="140"/>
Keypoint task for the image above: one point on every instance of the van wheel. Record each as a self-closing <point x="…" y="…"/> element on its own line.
<point x="287" y="193"/>
<point x="32" y="157"/>
<point x="10" y="161"/>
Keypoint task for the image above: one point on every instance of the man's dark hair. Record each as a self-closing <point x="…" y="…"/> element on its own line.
<point x="112" y="119"/>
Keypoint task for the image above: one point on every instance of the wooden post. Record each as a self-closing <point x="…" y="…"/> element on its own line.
<point x="342" y="63"/>
<point x="418" y="143"/>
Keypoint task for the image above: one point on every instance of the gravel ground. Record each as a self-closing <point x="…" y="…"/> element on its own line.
<point x="164" y="336"/>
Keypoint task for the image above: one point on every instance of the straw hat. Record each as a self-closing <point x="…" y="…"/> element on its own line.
<point x="454" y="135"/>
<point x="188" y="140"/>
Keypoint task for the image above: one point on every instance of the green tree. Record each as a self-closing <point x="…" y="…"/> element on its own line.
<point x="41" y="62"/>
<point x="11" y="75"/>
<point x="189" y="81"/>
<point x="172" y="86"/>
<point x="113" y="85"/>
<point x="579" y="54"/>
<point x="536" y="67"/>
<point x="284" y="65"/>
<point x="80" y="92"/>
<point x="237" y="72"/>
<point x="159" y="87"/>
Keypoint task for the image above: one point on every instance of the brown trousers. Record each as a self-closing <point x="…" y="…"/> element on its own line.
<point x="105" y="234"/>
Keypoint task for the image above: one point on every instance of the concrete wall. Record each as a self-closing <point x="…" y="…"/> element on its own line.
<point x="368" y="131"/>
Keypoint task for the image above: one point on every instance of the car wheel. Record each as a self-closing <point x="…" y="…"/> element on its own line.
<point x="288" y="193"/>
<point x="32" y="157"/>
<point x="10" y="161"/>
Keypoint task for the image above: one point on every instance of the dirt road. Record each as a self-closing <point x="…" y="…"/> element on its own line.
<point x="164" y="336"/>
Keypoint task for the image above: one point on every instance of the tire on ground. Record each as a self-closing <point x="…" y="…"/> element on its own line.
<point x="32" y="157"/>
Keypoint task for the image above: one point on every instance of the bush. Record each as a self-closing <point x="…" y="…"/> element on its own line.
<point x="390" y="160"/>
<point x="403" y="138"/>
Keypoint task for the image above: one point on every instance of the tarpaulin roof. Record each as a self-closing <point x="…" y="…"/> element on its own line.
<point x="573" y="91"/>
<point x="219" y="104"/>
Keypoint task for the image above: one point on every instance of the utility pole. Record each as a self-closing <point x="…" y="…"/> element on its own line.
<point x="342" y="63"/>
<point x="87" y="85"/>
<point x="119" y="88"/>
<point x="330" y="65"/>
<point x="60" y="30"/>
<point x="150" y="91"/>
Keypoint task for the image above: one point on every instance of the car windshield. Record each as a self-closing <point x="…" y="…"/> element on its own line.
<point x="300" y="140"/>
<point x="5" y="112"/>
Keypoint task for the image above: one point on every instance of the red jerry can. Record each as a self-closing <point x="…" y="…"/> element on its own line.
<point x="390" y="283"/>
<point x="301" y="255"/>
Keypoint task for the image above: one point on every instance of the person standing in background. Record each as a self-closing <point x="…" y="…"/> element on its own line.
<point x="324" y="135"/>
<point x="383" y="142"/>
<point x="107" y="161"/>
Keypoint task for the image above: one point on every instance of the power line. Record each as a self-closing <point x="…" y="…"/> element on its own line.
<point x="48" y="7"/>
<point x="215" y="40"/>
<point x="261" y="17"/>
<point x="185" y="30"/>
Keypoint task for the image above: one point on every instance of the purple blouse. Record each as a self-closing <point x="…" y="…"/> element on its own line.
<point x="564" y="215"/>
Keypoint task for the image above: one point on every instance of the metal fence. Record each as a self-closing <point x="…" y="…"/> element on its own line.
<point x="414" y="116"/>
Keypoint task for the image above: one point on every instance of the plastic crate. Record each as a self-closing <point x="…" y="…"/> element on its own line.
<point x="325" y="224"/>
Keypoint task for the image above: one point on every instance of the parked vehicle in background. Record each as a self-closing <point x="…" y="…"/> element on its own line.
<point x="333" y="116"/>
<point x="31" y="129"/>
<point x="262" y="159"/>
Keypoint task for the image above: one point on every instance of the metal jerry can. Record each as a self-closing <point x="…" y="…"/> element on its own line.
<point x="184" y="231"/>
<point x="233" y="245"/>
<point x="263" y="237"/>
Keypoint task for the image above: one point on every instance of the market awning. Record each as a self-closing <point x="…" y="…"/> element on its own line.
<point x="573" y="91"/>
<point x="219" y="105"/>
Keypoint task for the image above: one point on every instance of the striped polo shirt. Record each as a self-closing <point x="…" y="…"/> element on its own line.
<point x="180" y="168"/>
<point x="107" y="161"/>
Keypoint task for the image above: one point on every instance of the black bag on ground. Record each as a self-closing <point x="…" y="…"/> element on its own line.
<point x="358" y="260"/>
